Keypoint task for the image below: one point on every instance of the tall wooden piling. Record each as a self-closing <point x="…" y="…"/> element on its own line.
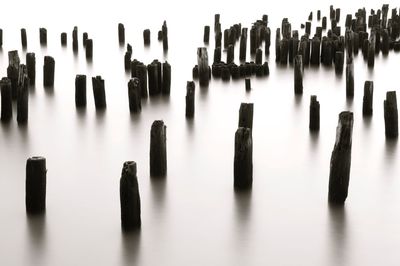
<point x="190" y="106"/>
<point x="298" y="74"/>
<point x="391" y="115"/>
<point x="204" y="69"/>
<point x="99" y="92"/>
<point x="6" y="99"/>
<point x="23" y="96"/>
<point x="166" y="78"/>
<point x="129" y="197"/>
<point x="158" y="149"/>
<point x="350" y="79"/>
<point x="89" y="49"/>
<point x="80" y="91"/>
<point x="243" y="159"/>
<point x="314" y="113"/>
<point x="339" y="174"/>
<point x="368" y="98"/>
<point x="48" y="71"/>
<point x="134" y="95"/>
<point x="43" y="36"/>
<point x="246" y="115"/>
<point x="121" y="33"/>
<point x="35" y="185"/>
<point x="24" y="41"/>
<point x="31" y="67"/>
<point x="146" y="37"/>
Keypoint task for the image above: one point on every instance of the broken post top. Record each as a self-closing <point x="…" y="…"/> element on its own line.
<point x="129" y="171"/>
<point x="344" y="131"/>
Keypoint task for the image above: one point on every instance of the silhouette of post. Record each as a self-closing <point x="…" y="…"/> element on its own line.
<point x="43" y="36"/>
<point x="391" y="115"/>
<point x="153" y="74"/>
<point x="80" y="91"/>
<point x="89" y="49"/>
<point x="31" y="67"/>
<point x="314" y="113"/>
<point x="134" y="96"/>
<point x="6" y="100"/>
<point x="141" y="73"/>
<point x="368" y="98"/>
<point x="248" y="84"/>
<point x="121" y="33"/>
<point x="48" y="71"/>
<point x="166" y="78"/>
<point x="24" y="42"/>
<point x="204" y="69"/>
<point x="298" y="74"/>
<point x="35" y="185"/>
<point x="158" y="149"/>
<point x="206" y="37"/>
<point x="129" y="197"/>
<point x="190" y="87"/>
<point x="243" y="45"/>
<point x="75" y="39"/>
<point x="99" y="92"/>
<point x="63" y="39"/>
<point x="246" y="115"/>
<point x="85" y="37"/>
<point x="243" y="160"/>
<point x="22" y="98"/>
<point x="350" y="79"/>
<point x="339" y="174"/>
<point x="13" y="71"/>
<point x="146" y="37"/>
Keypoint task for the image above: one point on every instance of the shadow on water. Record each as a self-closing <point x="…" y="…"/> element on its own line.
<point x="242" y="206"/>
<point x="314" y="136"/>
<point x="100" y="116"/>
<point x="81" y="113"/>
<point x="23" y="131"/>
<point x="367" y="122"/>
<point x="190" y="126"/>
<point x="338" y="233"/>
<point x="349" y="103"/>
<point x="49" y="91"/>
<point x="131" y="247"/>
<point x="6" y="128"/>
<point x="160" y="99"/>
<point x="297" y="100"/>
<point x="390" y="150"/>
<point x="36" y="225"/>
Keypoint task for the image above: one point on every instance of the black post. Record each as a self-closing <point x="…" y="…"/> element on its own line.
<point x="121" y="33"/>
<point x="22" y="99"/>
<point x="80" y="91"/>
<point x="129" y="197"/>
<point x="391" y="115"/>
<point x="48" y="71"/>
<point x="248" y="84"/>
<point x="6" y="100"/>
<point x="246" y="115"/>
<point x="350" y="79"/>
<point x="190" y="87"/>
<point x="206" y="37"/>
<point x="23" y="39"/>
<point x="43" y="36"/>
<point x="243" y="159"/>
<point x="141" y="73"/>
<point x="158" y="149"/>
<point x="89" y="49"/>
<point x="166" y="78"/>
<point x="298" y="74"/>
<point x="31" y="67"/>
<point x="368" y="98"/>
<point x="134" y="92"/>
<point x="35" y="185"/>
<point x="204" y="69"/>
<point x="314" y="113"/>
<point x="63" y="39"/>
<point x="146" y="37"/>
<point x="99" y="92"/>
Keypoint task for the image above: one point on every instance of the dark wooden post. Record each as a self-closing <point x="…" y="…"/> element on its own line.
<point x="350" y="79"/>
<point x="1" y="37"/>
<point x="243" y="160"/>
<point x="80" y="91"/>
<point x="146" y="37"/>
<point x="35" y="185"/>
<point x="141" y="73"/>
<point x="315" y="51"/>
<point x="75" y="39"/>
<point x="259" y="56"/>
<point x="190" y="87"/>
<point x="134" y="92"/>
<point x="129" y="197"/>
<point x="217" y="55"/>
<point x="13" y="71"/>
<point x="6" y="100"/>
<point x="248" y="84"/>
<point x="85" y="37"/>
<point x="89" y="49"/>
<point x="339" y="62"/>
<point x="339" y="174"/>
<point x="31" y="67"/>
<point x="158" y="149"/>
<point x="368" y="98"/>
<point x="314" y="113"/>
<point x="152" y="72"/>
<point x="243" y="45"/>
<point x="23" y="39"/>
<point x="298" y="74"/>
<point x="166" y="78"/>
<point x="48" y="71"/>
<point x="246" y="115"/>
<point x="206" y="37"/>
<point x="99" y="92"/>
<point x="43" y="36"/>
<point x="121" y="33"/>
<point x="63" y="39"/>
<point x="230" y="54"/>
<point x="391" y="115"/>
<point x="23" y="93"/>
<point x="204" y="69"/>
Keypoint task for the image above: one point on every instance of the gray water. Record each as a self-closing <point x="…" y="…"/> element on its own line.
<point x="193" y="216"/>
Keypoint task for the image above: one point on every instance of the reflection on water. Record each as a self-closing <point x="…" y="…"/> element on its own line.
<point x="338" y="234"/>
<point x="131" y="247"/>
<point x="242" y="207"/>
<point x="36" y="225"/>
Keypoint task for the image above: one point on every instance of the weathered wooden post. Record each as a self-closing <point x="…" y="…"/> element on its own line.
<point x="190" y="87"/>
<point x="63" y="39"/>
<point x="246" y="115"/>
<point x="391" y="115"/>
<point x="339" y="174"/>
<point x="13" y="71"/>
<point x="6" y="99"/>
<point x="204" y="69"/>
<point x="43" y="36"/>
<point x="314" y="113"/>
<point x="134" y="96"/>
<point x="206" y="37"/>
<point x="146" y="37"/>
<point x="23" y="39"/>
<point x="80" y="91"/>
<point x="298" y="74"/>
<point x="368" y="98"/>
<point x="141" y="73"/>
<point x="350" y="79"/>
<point x="99" y="92"/>
<point x="31" y="67"/>
<point x="22" y="98"/>
<point x="153" y="74"/>
<point x="248" y="84"/>
<point x="243" y="159"/>
<point x="166" y="78"/>
<point x="129" y="197"/>
<point x="121" y="33"/>
<point x="89" y="49"/>
<point x="158" y="149"/>
<point x="48" y="71"/>
<point x="35" y="185"/>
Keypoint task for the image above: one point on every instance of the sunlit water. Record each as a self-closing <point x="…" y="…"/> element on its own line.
<point x="193" y="216"/>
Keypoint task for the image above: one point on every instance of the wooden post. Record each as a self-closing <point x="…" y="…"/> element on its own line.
<point x="368" y="98"/>
<point x="206" y="37"/>
<point x="75" y="39"/>
<point x="63" y="39"/>
<point x="129" y="197"/>
<point x="158" y="149"/>
<point x="230" y="54"/>
<point x="80" y="91"/>
<point x="298" y="74"/>
<point x="85" y="37"/>
<point x="146" y="37"/>
<point x="315" y="51"/>
<point x="23" y="96"/>
<point x="339" y="62"/>
<point x="218" y="39"/>
<point x="166" y="78"/>
<point x="89" y="49"/>
<point x="31" y="67"/>
<point x="152" y="71"/>
<point x="243" y="160"/>
<point x="190" y="87"/>
<point x="99" y="92"/>
<point x="350" y="79"/>
<point x="134" y="96"/>
<point x="204" y="69"/>
<point x="6" y="100"/>
<point x="35" y="185"/>
<point x="43" y="36"/>
<point x="248" y="84"/>
<point x="1" y="38"/>
<point x="141" y="74"/>
<point x="48" y="71"/>
<point x="259" y="54"/>
<point x="121" y="33"/>
<point x="165" y="36"/>
<point x="127" y="61"/>
<point x="314" y="113"/>
<point x="217" y="55"/>
<point x="243" y="45"/>
<point x="13" y="71"/>
<point x="391" y="115"/>
<point x="23" y="39"/>
<point x="246" y="115"/>
<point x="339" y="174"/>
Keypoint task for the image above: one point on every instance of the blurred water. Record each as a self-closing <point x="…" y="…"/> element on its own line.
<point x="193" y="217"/>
